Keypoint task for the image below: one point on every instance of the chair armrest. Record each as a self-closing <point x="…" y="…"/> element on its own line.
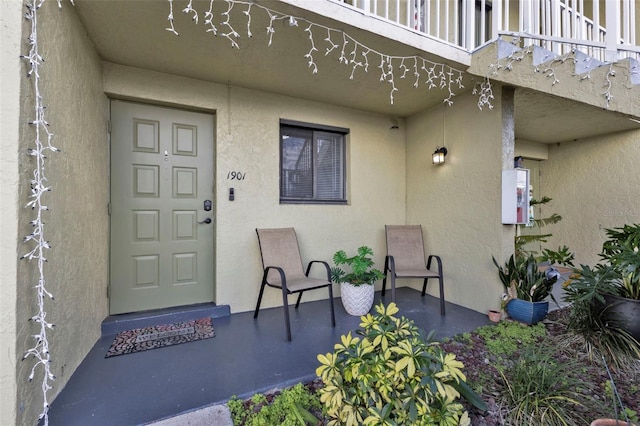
<point x="283" y="278"/>
<point x="438" y="260"/>
<point x="326" y="265"/>
<point x="389" y="264"/>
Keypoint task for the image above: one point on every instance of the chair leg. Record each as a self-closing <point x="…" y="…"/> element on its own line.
<point x="424" y="287"/>
<point x="333" y="315"/>
<point x="299" y="297"/>
<point x="441" y="280"/>
<point x="386" y="271"/>
<point x="441" y="283"/>
<point x="255" y="314"/>
<point x="393" y="287"/>
<point x="285" y="306"/>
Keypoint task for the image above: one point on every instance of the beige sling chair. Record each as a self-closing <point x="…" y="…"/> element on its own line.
<point x="283" y="269"/>
<point x="405" y="259"/>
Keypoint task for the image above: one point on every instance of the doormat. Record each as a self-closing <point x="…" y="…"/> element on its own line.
<point x="159" y="336"/>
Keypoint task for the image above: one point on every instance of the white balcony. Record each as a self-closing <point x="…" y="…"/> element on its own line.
<point x="603" y="29"/>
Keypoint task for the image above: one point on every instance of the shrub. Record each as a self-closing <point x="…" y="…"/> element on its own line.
<point x="289" y="408"/>
<point x="592" y="319"/>
<point x="392" y="375"/>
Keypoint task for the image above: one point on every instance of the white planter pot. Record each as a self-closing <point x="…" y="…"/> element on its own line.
<point x="357" y="300"/>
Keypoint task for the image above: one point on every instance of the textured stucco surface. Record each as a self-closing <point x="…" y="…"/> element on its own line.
<point x="570" y="86"/>
<point x="458" y="203"/>
<point x="533" y="150"/>
<point x="390" y="181"/>
<point x="11" y="71"/>
<point x="77" y="221"/>
<point x="247" y="141"/>
<point x="595" y="185"/>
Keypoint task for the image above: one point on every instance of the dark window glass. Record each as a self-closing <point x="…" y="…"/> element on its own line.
<point x="312" y="164"/>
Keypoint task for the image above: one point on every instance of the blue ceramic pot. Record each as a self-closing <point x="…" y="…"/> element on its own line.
<point x="527" y="312"/>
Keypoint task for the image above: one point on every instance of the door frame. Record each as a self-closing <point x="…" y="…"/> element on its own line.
<point x="212" y="164"/>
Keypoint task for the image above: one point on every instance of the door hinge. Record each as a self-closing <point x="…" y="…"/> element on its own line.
<point x="109" y="209"/>
<point x="109" y="126"/>
<point x="108" y="291"/>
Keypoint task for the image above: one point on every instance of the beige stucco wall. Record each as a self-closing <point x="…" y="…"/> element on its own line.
<point x="247" y="141"/>
<point x="531" y="150"/>
<point x="458" y="203"/>
<point x="77" y="221"/>
<point x="595" y="185"/>
<point x="10" y="75"/>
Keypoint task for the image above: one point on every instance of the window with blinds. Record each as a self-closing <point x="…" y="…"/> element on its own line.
<point x="312" y="164"/>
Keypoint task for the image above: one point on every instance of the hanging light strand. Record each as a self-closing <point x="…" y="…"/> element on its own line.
<point x="39" y="187"/>
<point x="547" y="68"/>
<point x="437" y="75"/>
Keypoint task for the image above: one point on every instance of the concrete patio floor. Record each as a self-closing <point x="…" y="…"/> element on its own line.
<point x="244" y="357"/>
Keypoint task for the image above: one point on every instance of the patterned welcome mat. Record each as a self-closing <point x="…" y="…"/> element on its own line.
<point x="143" y="339"/>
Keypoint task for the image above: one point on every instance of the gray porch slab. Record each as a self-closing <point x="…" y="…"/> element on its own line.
<point x="244" y="357"/>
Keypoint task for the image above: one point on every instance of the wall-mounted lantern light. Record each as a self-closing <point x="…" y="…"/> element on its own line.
<point x="438" y="155"/>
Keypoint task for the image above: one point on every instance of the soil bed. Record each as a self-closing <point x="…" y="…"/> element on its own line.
<point x="480" y="369"/>
<point x="484" y="378"/>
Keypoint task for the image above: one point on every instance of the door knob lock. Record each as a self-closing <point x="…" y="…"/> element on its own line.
<point x="206" y="220"/>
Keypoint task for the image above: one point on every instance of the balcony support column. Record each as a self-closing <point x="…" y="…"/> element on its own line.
<point x="612" y="12"/>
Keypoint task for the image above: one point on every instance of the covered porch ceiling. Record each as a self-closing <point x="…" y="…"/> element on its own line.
<point x="134" y="33"/>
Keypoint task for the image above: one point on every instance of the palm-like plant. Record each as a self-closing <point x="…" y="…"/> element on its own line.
<point x="522" y="240"/>
<point x="362" y="270"/>
<point x="621" y="252"/>
<point x="593" y="315"/>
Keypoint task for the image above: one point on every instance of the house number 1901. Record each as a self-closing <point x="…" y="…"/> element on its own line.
<point x="236" y="176"/>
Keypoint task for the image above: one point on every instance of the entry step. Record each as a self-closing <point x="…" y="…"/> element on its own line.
<point x="114" y="324"/>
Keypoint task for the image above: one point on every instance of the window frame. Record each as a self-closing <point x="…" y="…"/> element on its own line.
<point x="313" y="129"/>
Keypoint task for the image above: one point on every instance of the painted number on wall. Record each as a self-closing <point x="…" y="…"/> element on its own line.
<point x="236" y="176"/>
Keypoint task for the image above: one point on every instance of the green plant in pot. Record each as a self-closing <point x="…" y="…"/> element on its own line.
<point x="527" y="279"/>
<point x="606" y="298"/>
<point x="527" y="288"/>
<point x="356" y="286"/>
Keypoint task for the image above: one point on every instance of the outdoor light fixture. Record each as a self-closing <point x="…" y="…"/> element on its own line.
<point x="438" y="155"/>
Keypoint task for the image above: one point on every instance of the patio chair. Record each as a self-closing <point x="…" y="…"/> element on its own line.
<point x="283" y="269"/>
<point x="405" y="259"/>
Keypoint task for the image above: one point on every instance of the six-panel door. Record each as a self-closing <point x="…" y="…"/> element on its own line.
<point x="162" y="162"/>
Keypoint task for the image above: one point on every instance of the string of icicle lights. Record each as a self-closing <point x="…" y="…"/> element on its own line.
<point x="547" y="67"/>
<point x="39" y="187"/>
<point x="348" y="50"/>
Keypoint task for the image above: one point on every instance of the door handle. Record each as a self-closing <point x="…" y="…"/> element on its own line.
<point x="206" y="220"/>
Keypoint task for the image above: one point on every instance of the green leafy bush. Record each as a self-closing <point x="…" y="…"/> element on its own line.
<point x="392" y="375"/>
<point x="289" y="408"/>
<point x="593" y="320"/>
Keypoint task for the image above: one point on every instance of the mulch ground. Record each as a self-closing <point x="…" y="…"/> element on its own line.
<point x="478" y="364"/>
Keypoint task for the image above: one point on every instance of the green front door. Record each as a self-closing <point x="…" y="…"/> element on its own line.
<point x="162" y="217"/>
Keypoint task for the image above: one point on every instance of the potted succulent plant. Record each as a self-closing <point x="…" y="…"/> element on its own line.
<point x="356" y="287"/>
<point x="527" y="279"/>
<point x="527" y="288"/>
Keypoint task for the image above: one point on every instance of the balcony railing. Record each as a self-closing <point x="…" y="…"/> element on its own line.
<point x="605" y="29"/>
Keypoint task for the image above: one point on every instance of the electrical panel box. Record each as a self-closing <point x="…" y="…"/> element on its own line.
<point x="515" y="196"/>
